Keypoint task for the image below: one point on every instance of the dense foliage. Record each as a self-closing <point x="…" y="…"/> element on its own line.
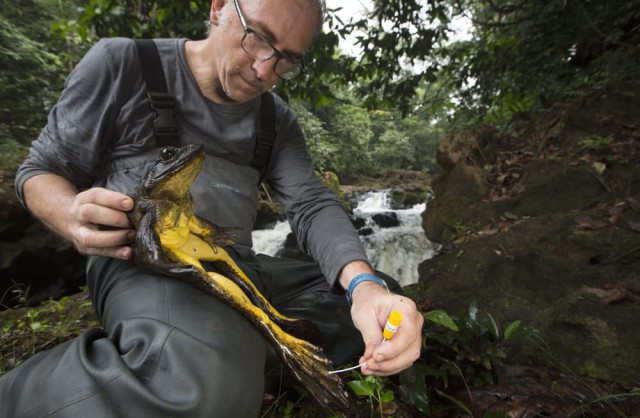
<point x="27" y="69"/>
<point x="520" y="54"/>
<point x="529" y="54"/>
<point x="33" y="64"/>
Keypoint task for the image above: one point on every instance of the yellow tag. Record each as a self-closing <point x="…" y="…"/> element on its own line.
<point x="392" y="324"/>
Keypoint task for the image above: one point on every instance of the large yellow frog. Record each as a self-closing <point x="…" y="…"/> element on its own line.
<point x="171" y="239"/>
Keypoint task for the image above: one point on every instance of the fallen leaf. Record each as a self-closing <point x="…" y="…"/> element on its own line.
<point x="488" y="230"/>
<point x="634" y="225"/>
<point x="599" y="167"/>
<point x="509" y="215"/>
<point x="609" y="296"/>
<point x="587" y="222"/>
<point x="617" y="294"/>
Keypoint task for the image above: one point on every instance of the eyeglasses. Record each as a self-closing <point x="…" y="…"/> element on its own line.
<point x="257" y="47"/>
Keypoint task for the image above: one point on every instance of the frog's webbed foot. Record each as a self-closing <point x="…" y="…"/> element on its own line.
<point x="311" y="367"/>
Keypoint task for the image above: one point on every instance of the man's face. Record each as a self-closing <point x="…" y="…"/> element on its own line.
<point x="288" y="25"/>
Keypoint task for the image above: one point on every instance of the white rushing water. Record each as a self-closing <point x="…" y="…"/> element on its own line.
<point x="269" y="241"/>
<point x="396" y="250"/>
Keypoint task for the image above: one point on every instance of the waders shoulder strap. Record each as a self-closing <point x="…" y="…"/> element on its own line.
<point x="266" y="135"/>
<point x="162" y="103"/>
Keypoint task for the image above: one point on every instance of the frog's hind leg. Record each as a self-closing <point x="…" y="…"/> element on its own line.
<point x="204" y="236"/>
<point x="193" y="250"/>
<point x="300" y="328"/>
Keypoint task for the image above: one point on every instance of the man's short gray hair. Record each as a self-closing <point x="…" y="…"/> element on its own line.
<point x="320" y="5"/>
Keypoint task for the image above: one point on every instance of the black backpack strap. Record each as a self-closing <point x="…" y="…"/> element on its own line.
<point x="162" y="103"/>
<point x="266" y="135"/>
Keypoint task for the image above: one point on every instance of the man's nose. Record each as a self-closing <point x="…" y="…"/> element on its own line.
<point x="264" y="69"/>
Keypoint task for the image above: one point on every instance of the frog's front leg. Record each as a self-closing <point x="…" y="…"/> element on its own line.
<point x="213" y="234"/>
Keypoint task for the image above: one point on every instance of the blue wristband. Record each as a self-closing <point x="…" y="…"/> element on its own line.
<point x="364" y="277"/>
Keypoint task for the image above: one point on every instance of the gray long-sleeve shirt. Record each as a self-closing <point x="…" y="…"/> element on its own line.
<point x="100" y="133"/>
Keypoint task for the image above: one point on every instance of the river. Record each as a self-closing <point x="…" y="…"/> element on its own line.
<point x="396" y="250"/>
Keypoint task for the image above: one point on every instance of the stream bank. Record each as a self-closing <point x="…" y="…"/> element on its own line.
<point x="542" y="225"/>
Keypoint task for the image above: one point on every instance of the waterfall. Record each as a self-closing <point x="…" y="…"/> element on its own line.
<point x="269" y="241"/>
<point x="395" y="250"/>
<point x="393" y="239"/>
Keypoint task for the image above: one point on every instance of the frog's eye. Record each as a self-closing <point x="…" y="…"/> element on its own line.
<point x="168" y="153"/>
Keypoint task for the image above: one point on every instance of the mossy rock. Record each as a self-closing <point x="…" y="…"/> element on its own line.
<point x="570" y="283"/>
<point x="269" y="213"/>
<point x="454" y="209"/>
<point x="403" y="198"/>
<point x="331" y="180"/>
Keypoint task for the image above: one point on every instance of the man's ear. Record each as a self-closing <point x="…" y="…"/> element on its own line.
<point x="216" y="5"/>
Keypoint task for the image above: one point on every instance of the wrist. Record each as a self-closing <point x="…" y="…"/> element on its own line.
<point x="351" y="270"/>
<point x="361" y="281"/>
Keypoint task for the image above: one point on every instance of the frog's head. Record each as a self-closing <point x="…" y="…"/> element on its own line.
<point x="172" y="175"/>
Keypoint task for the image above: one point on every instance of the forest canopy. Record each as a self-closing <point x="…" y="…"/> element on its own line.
<point x="387" y="107"/>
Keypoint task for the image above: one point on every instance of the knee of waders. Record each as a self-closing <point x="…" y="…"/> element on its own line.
<point x="223" y="376"/>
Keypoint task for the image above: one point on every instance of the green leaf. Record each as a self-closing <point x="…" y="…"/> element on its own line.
<point x="36" y="326"/>
<point x="413" y="385"/>
<point x="387" y="397"/>
<point x="361" y="388"/>
<point x="442" y="318"/>
<point x="511" y="330"/>
<point x="492" y="326"/>
<point x="486" y="362"/>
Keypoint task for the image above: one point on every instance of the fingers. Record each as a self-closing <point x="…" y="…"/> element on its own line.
<point x="104" y="197"/>
<point x="109" y="243"/>
<point x="399" y="352"/>
<point x="99" y="225"/>
<point x="95" y="214"/>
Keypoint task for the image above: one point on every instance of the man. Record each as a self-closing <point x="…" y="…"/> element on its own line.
<point x="168" y="349"/>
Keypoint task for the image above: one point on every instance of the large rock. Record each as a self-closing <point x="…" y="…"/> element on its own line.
<point x="459" y="185"/>
<point x="545" y="229"/>
<point x="32" y="258"/>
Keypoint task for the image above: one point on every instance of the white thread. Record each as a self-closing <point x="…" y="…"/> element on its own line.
<point x="354" y="367"/>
